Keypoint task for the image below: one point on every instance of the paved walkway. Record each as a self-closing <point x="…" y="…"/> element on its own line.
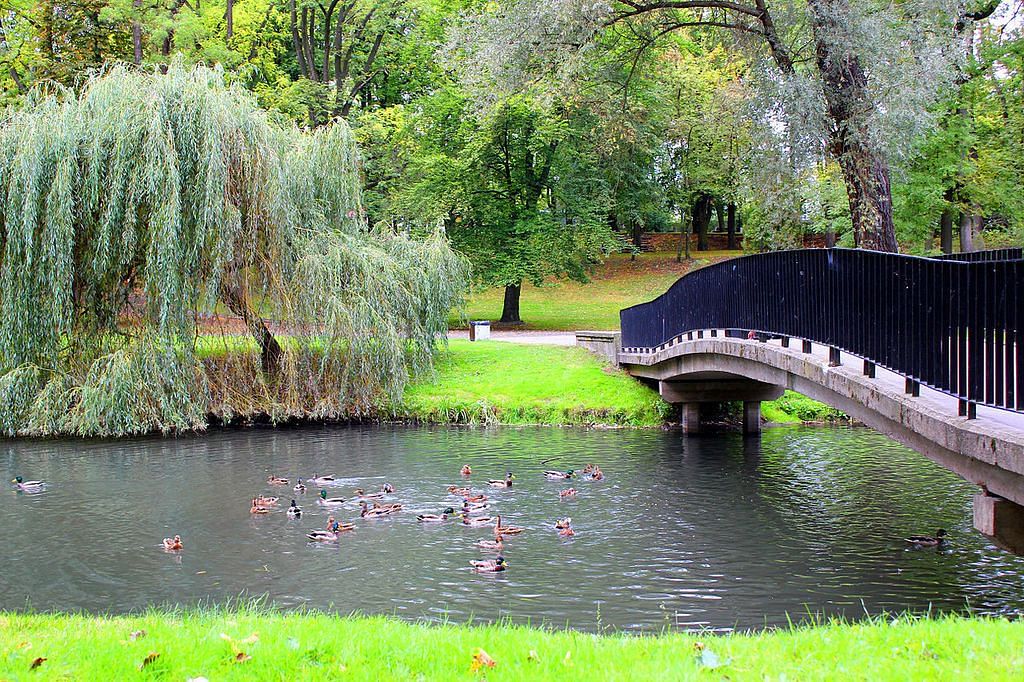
<point x="549" y="338"/>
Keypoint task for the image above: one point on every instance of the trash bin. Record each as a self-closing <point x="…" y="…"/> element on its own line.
<point x="479" y="330"/>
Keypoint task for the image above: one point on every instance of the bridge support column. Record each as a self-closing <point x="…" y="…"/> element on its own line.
<point x="1001" y="520"/>
<point x="752" y="416"/>
<point x="691" y="418"/>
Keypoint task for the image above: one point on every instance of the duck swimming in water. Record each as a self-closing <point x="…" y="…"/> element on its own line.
<point x="293" y="511"/>
<point x="299" y="487"/>
<point x="558" y="475"/>
<point x="387" y="488"/>
<point x="28" y="486"/>
<point x="468" y="506"/>
<point x="495" y="545"/>
<point x="325" y="501"/>
<point x="562" y="494"/>
<point x="378" y="511"/>
<point x="597" y="475"/>
<point x="434" y="518"/>
<point x="173" y="544"/>
<point x="330" y="532"/>
<point x="359" y="492"/>
<point x="266" y="501"/>
<point x="276" y="480"/>
<point x="566" y="532"/>
<point x="507" y="483"/>
<point x="460" y="492"/>
<point x="489" y="565"/>
<point x="928" y="540"/>
<point x="466" y="471"/>
<point x="477" y="521"/>
<point x="257" y="508"/>
<point x="563" y="523"/>
<point x="322" y="480"/>
<point x="507" y="530"/>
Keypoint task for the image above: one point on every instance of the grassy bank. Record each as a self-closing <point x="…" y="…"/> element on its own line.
<point x="246" y="646"/>
<point x="794" y="408"/>
<point x="617" y="283"/>
<point x="511" y="383"/>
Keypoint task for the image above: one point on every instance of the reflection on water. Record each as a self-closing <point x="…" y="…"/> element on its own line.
<point x="717" y="531"/>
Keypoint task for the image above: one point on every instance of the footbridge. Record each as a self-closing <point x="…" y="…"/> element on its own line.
<point x="925" y="350"/>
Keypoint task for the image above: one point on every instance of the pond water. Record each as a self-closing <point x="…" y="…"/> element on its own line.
<point x="717" y="531"/>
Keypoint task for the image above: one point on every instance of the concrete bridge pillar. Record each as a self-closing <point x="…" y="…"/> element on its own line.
<point x="1001" y="520"/>
<point x="752" y="416"/>
<point x="691" y="418"/>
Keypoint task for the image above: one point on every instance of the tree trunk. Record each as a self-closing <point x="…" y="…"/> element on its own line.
<point x="701" y="220"/>
<point x="300" y="53"/>
<point x="510" y="310"/>
<point x="137" y="33"/>
<point x="845" y="85"/>
<point x="970" y="233"/>
<point x="731" y="222"/>
<point x="237" y="302"/>
<point x="946" y="230"/>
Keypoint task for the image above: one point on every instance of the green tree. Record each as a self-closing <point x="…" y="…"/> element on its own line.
<point x="133" y="206"/>
<point x="517" y="188"/>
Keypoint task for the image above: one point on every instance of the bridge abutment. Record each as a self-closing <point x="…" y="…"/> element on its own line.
<point x="1001" y="520"/>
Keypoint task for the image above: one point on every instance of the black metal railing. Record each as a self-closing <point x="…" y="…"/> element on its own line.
<point x="1010" y="253"/>
<point x="950" y="324"/>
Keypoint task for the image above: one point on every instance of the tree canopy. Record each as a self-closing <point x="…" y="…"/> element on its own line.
<point x="144" y="200"/>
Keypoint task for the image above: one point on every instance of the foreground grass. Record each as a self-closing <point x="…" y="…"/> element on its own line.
<point x="510" y="383"/>
<point x="617" y="283"/>
<point x="252" y="646"/>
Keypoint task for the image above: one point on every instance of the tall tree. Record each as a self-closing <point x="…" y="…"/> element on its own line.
<point x="517" y="189"/>
<point x="852" y="43"/>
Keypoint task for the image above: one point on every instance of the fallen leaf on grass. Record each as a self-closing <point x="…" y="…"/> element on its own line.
<point x="481" y="660"/>
<point x="532" y="656"/>
<point x="36" y="663"/>
<point x="568" y="658"/>
<point x="148" y="659"/>
<point x="242" y="657"/>
<point x="138" y="634"/>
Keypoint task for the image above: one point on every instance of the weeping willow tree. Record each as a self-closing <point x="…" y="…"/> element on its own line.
<point x="135" y="206"/>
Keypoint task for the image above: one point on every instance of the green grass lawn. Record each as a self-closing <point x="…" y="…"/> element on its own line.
<point x="511" y="383"/>
<point x="618" y="283"/>
<point x="252" y="646"/>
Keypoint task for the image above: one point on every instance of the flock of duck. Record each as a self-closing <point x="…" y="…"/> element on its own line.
<point x="473" y="504"/>
<point x="471" y="513"/>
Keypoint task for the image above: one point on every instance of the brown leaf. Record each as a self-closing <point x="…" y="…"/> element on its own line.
<point x="138" y="634"/>
<point x="148" y="659"/>
<point x="698" y="647"/>
<point x="481" y="660"/>
<point x="242" y="657"/>
<point x="36" y="663"/>
<point x="533" y="656"/>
